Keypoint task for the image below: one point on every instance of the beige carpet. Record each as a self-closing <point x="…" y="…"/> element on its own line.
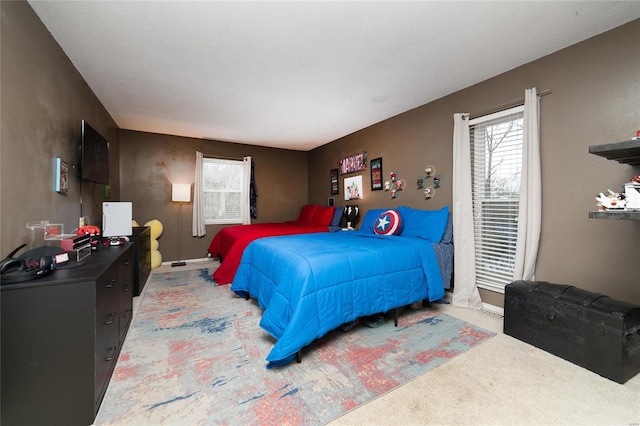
<point x="501" y="382"/>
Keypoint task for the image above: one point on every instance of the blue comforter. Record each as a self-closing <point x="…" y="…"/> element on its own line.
<point x="311" y="284"/>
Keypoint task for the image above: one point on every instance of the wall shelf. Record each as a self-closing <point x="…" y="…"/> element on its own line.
<point x="627" y="152"/>
<point x="615" y="214"/>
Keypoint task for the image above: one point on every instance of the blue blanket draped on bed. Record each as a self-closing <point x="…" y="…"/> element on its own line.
<point x="311" y="284"/>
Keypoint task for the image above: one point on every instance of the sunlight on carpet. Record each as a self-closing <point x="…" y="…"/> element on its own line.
<point x="195" y="354"/>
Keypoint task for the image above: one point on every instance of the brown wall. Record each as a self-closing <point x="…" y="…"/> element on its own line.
<point x="594" y="100"/>
<point x="43" y="101"/>
<point x="150" y="163"/>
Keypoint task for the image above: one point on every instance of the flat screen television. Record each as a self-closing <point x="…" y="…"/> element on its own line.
<point x="94" y="156"/>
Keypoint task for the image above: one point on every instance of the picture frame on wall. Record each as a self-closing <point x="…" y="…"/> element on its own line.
<point x="335" y="189"/>
<point x="353" y="188"/>
<point x="62" y="176"/>
<point x="376" y="174"/>
<point x="353" y="163"/>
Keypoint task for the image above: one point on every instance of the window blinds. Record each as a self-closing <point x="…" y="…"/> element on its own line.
<point x="223" y="190"/>
<point x="496" y="161"/>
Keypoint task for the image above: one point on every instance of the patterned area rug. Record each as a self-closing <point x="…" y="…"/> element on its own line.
<point x="195" y="354"/>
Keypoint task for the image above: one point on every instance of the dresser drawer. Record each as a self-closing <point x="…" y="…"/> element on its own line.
<point x="106" y="358"/>
<point x="107" y="287"/>
<point x="107" y="341"/>
<point x="108" y="324"/>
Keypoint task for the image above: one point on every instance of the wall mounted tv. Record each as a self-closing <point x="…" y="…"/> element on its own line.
<point x="94" y="156"/>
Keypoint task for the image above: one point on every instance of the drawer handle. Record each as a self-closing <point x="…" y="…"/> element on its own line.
<point x="110" y="319"/>
<point x="112" y="353"/>
<point x="110" y="283"/>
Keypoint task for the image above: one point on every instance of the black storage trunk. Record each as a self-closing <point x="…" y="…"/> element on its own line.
<point x="589" y="329"/>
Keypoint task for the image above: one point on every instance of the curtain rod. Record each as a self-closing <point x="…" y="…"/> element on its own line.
<point x="224" y="158"/>
<point x="508" y="105"/>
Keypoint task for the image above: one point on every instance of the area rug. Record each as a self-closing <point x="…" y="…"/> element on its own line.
<point x="195" y="355"/>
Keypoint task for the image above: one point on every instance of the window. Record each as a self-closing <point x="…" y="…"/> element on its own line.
<point x="223" y="186"/>
<point x="496" y="163"/>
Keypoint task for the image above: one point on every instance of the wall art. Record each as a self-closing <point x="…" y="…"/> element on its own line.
<point x="353" y="188"/>
<point x="376" y="174"/>
<point x="354" y="163"/>
<point x="395" y="184"/>
<point x="62" y="176"/>
<point x="429" y="192"/>
<point x="334" y="182"/>
<point x="429" y="171"/>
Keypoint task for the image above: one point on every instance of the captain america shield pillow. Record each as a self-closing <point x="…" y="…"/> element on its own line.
<point x="388" y="223"/>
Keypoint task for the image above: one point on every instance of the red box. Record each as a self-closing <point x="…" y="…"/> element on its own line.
<point x="74" y="242"/>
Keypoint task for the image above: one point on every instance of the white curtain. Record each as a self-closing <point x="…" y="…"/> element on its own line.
<point x="246" y="192"/>
<point x="530" y="211"/>
<point x="198" y="228"/>
<point x="465" y="291"/>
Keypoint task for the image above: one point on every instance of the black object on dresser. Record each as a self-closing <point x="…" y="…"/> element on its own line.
<point x="61" y="337"/>
<point x="589" y="329"/>
<point x="141" y="257"/>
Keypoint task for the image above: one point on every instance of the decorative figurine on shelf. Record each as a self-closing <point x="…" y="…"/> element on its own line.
<point x="428" y="192"/>
<point x="438" y="180"/>
<point x="395" y="185"/>
<point x="613" y="200"/>
<point x="350" y="216"/>
<point x="429" y="171"/>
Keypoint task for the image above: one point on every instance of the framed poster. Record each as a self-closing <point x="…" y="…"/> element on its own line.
<point x="62" y="176"/>
<point x="353" y="188"/>
<point x="376" y="174"/>
<point x="354" y="163"/>
<point x="334" y="182"/>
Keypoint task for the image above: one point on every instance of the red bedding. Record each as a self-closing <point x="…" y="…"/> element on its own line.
<point x="229" y="243"/>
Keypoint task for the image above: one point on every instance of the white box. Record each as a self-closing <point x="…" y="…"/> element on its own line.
<point x="632" y="195"/>
<point x="116" y="219"/>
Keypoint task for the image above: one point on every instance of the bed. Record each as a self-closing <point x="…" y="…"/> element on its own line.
<point x="230" y="242"/>
<point x="311" y="284"/>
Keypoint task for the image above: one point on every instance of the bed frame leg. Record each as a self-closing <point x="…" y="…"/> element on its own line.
<point x="299" y="357"/>
<point x="395" y="316"/>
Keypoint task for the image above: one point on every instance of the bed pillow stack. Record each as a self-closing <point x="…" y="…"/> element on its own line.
<point x="323" y="216"/>
<point x="306" y="213"/>
<point x="337" y="216"/>
<point x="428" y="225"/>
<point x="315" y="215"/>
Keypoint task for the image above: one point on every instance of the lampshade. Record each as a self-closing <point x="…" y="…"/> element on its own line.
<point x="181" y="192"/>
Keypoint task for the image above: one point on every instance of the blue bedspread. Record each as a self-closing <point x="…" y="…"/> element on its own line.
<point x="311" y="284"/>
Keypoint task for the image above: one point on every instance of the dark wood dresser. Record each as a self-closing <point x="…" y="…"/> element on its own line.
<point x="61" y="337"/>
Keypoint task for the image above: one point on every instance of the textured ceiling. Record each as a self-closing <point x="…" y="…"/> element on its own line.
<point x="300" y="74"/>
